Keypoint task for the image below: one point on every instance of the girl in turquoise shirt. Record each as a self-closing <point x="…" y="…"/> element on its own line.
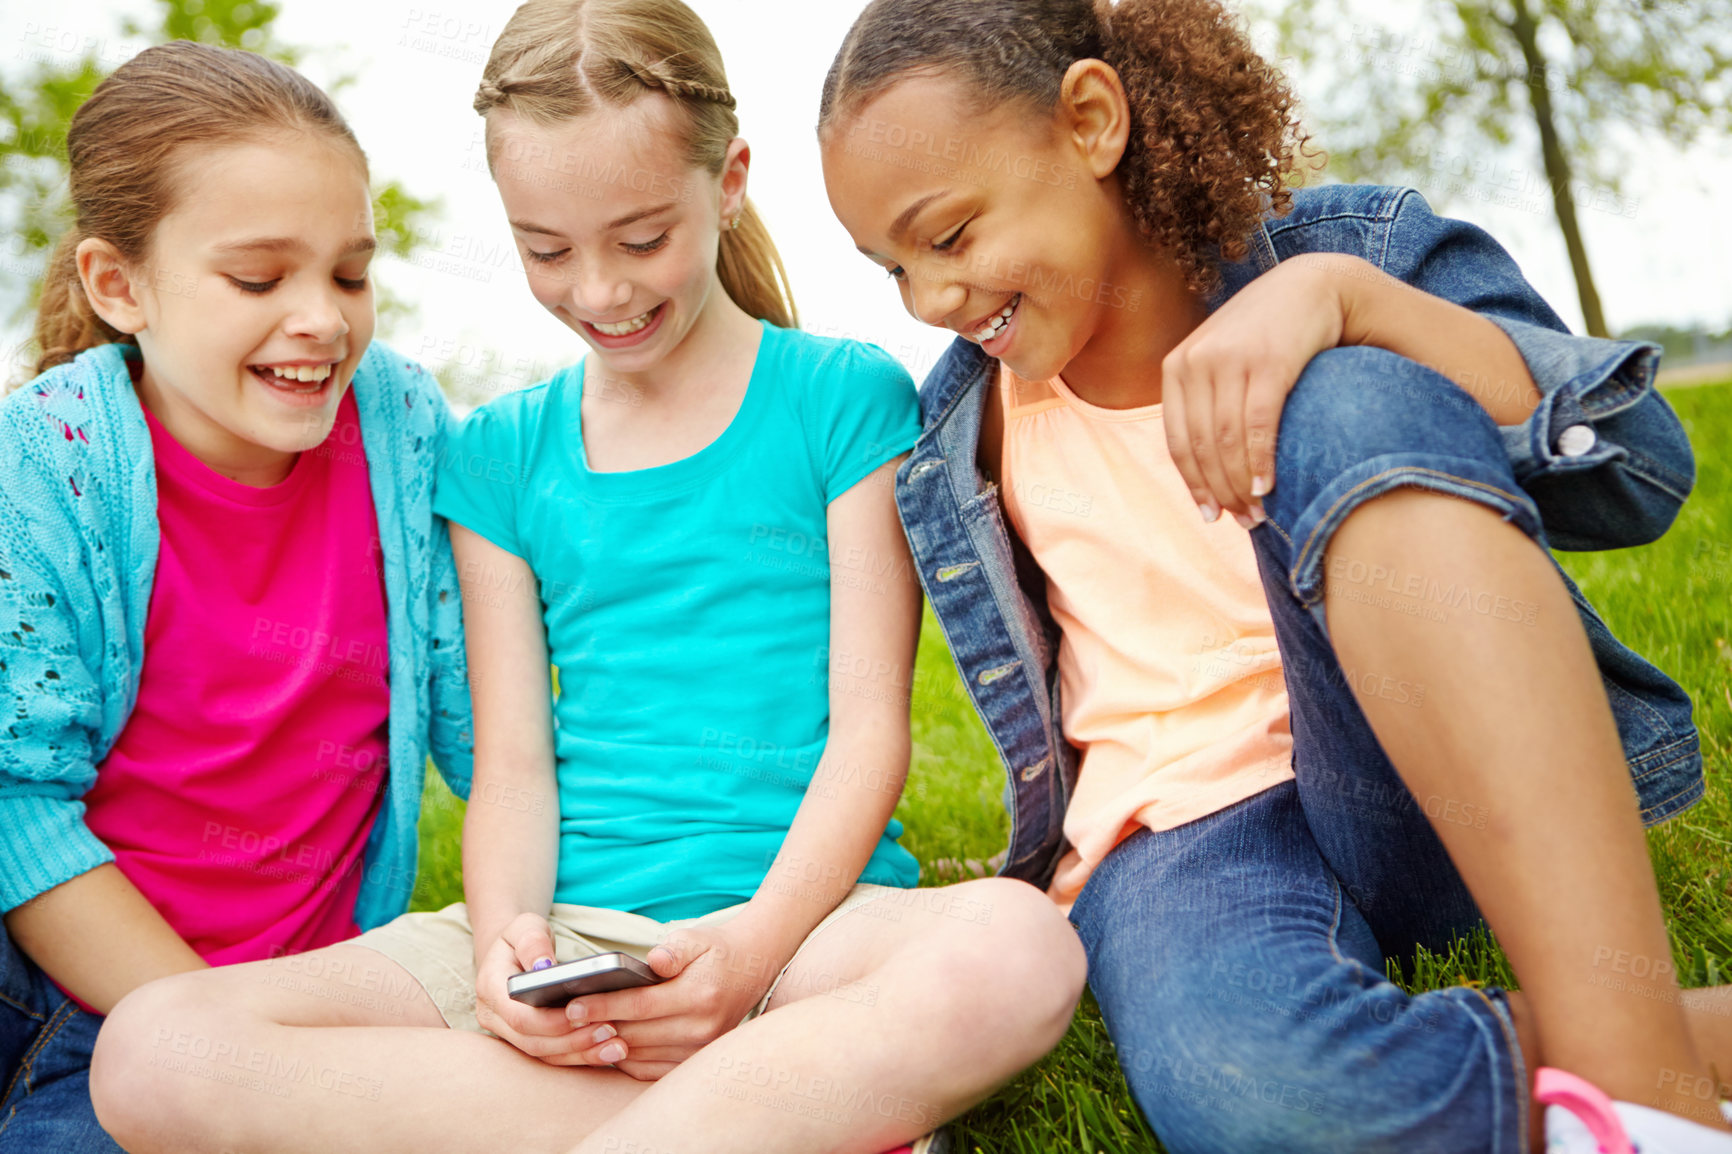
<point x="695" y="524"/>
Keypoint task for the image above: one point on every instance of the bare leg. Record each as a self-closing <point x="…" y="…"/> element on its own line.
<point x="898" y="1017"/>
<point x="1710" y="1014"/>
<point x="1516" y="725"/>
<point x="335" y="1050"/>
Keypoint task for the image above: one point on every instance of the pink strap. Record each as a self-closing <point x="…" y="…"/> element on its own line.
<point x="1587" y="1102"/>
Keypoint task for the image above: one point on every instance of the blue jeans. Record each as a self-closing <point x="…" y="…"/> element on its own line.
<point x="45" y="1046"/>
<point x="1239" y="960"/>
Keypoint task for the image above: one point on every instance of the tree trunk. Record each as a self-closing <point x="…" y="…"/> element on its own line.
<point x="1526" y="34"/>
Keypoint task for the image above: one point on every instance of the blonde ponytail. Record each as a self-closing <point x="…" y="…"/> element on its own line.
<point x="752" y="272"/>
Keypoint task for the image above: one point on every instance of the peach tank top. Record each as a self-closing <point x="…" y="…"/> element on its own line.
<point x="1169" y="673"/>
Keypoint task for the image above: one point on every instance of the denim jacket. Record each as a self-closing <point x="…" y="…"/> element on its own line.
<point x="1603" y="457"/>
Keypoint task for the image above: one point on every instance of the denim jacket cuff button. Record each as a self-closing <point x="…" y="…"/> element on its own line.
<point x="1576" y="441"/>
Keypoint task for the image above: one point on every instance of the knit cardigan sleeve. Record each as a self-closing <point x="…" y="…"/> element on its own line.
<point x="451" y="728"/>
<point x="64" y="648"/>
<point x="47" y="756"/>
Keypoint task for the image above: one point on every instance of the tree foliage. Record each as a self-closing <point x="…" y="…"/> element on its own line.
<point x="1447" y="100"/>
<point x="37" y="106"/>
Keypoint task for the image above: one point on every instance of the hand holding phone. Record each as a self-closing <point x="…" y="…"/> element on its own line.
<point x="544" y="1033"/>
<point x="597" y="974"/>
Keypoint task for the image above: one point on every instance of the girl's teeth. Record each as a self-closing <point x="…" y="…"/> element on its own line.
<point x="996" y="325"/>
<point x="626" y="328"/>
<point x="301" y="372"/>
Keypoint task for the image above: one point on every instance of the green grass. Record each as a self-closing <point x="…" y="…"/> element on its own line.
<point x="1671" y="601"/>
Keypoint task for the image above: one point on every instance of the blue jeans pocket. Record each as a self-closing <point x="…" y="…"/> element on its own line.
<point x="48" y="1106"/>
<point x="45" y="1047"/>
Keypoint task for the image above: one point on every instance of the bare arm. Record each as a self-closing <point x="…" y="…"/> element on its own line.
<point x="1383" y="312"/>
<point x="511" y="830"/>
<point x="874" y="624"/>
<point x="1225" y="384"/>
<point x="99" y="937"/>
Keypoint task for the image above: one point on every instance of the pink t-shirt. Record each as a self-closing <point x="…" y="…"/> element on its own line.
<point x="240" y="794"/>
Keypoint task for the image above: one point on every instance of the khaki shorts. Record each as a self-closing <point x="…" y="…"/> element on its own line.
<point x="438" y="947"/>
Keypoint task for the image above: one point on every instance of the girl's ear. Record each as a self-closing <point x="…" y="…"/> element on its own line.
<point x="108" y="285"/>
<point x="1096" y="114"/>
<point x="735" y="165"/>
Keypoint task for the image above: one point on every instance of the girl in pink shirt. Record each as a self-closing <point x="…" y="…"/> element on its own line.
<point x="232" y="626"/>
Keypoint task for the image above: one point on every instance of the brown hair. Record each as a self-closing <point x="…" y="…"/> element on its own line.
<point x="1215" y="138"/>
<point x="123" y="145"/>
<point x="557" y="59"/>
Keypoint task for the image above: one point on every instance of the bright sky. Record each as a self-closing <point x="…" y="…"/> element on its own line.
<point x="1663" y="258"/>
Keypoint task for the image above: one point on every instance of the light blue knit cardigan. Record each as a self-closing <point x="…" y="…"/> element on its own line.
<point x="78" y="550"/>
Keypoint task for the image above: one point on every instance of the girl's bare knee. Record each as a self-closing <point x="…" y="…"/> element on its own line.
<point x="1020" y="965"/>
<point x="145" y="1078"/>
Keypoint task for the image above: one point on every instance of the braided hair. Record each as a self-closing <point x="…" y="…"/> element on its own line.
<point x="654" y="76"/>
<point x="556" y="60"/>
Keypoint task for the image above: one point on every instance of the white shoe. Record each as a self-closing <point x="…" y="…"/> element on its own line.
<point x="1581" y="1119"/>
<point x="937" y="1142"/>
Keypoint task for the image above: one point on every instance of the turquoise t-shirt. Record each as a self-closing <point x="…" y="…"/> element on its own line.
<point x="688" y="614"/>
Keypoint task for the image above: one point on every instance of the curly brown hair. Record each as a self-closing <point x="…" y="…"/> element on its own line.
<point x="1215" y="141"/>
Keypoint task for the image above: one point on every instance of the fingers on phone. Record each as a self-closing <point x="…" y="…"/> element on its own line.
<point x="681" y="948"/>
<point x="497" y="1011"/>
<point x="529" y="1029"/>
<point x="544" y="1022"/>
<point x="618" y="1006"/>
<point x="606" y="1053"/>
<point x="530" y="940"/>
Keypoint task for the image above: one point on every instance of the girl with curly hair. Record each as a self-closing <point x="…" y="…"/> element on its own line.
<point x="1257" y="757"/>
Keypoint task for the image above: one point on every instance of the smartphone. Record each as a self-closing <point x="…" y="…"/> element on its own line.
<point x="597" y="974"/>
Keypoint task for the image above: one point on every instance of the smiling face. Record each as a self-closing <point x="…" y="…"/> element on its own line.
<point x="1002" y="227"/>
<point x="618" y="234"/>
<point x="254" y="305"/>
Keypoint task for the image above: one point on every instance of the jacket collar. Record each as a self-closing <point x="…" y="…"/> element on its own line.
<point x="1259" y="260"/>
